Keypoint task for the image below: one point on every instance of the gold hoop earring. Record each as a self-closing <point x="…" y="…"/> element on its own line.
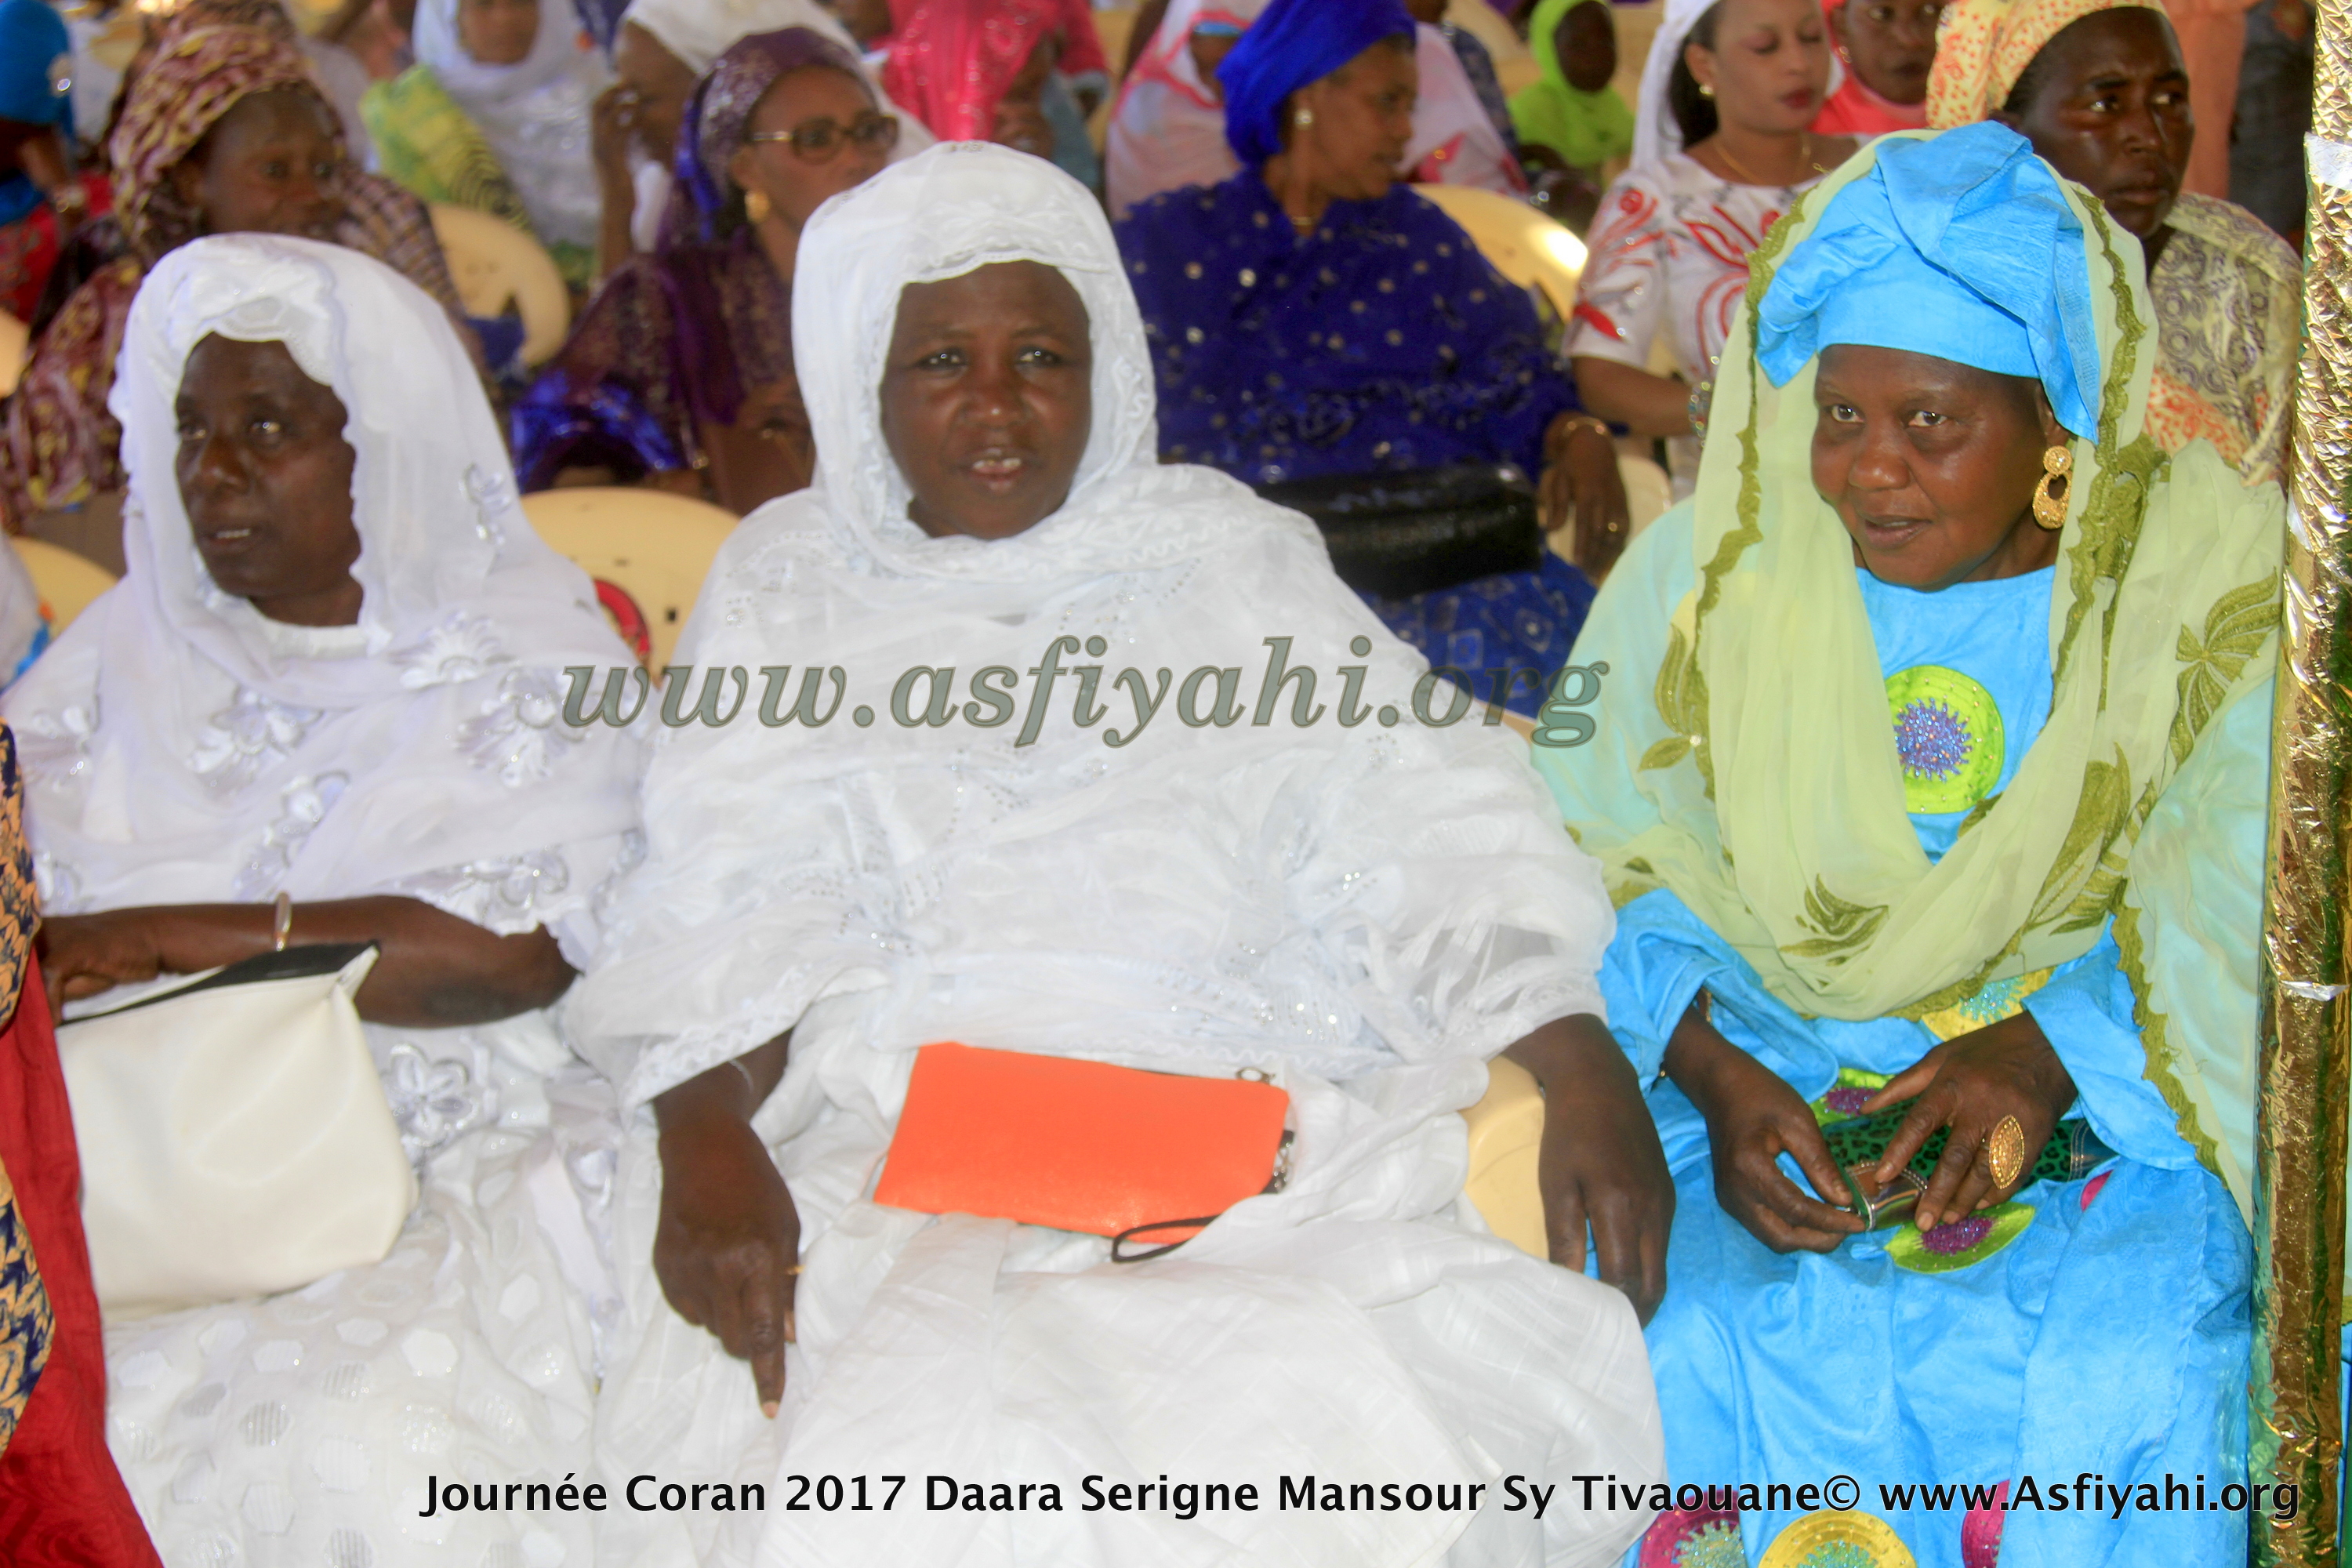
<point x="2049" y="495"/>
<point x="1303" y="118"/>
<point x="756" y="205"/>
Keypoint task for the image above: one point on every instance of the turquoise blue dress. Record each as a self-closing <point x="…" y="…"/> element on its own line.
<point x="2093" y="1329"/>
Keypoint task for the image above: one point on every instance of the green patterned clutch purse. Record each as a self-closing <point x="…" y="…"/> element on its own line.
<point x="2073" y="1152"/>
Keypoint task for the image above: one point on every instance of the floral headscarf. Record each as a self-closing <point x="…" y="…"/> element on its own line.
<point x="1982" y="46"/>
<point x="196" y="77"/>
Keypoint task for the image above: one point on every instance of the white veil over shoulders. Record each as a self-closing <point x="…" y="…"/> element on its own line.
<point x="1365" y="913"/>
<point x="180" y="747"/>
<point x="1174" y="567"/>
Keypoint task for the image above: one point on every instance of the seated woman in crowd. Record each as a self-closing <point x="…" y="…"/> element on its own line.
<point x="1364" y="914"/>
<point x="42" y="197"/>
<point x="326" y="700"/>
<point x="1168" y="129"/>
<point x="1311" y="317"/>
<point x="494" y="115"/>
<point x="1720" y="150"/>
<point x="1569" y="118"/>
<point x="2105" y="98"/>
<point x="680" y="373"/>
<point x="1888" y="48"/>
<point x="223" y="131"/>
<point x="1931" y="781"/>
<point x="664" y="48"/>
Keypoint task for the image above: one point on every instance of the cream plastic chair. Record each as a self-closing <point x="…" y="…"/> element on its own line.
<point x="1505" y="1140"/>
<point x="1531" y="249"/>
<point x="65" y="582"/>
<point x="16" y="342"/>
<point x="495" y="264"/>
<point x="647" y="550"/>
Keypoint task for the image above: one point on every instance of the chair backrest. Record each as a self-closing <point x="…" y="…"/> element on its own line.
<point x="647" y="550"/>
<point x="65" y="582"/>
<point x="1531" y="249"/>
<point x="495" y="265"/>
<point x="16" y="341"/>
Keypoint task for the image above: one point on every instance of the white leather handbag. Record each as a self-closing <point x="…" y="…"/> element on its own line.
<point x="234" y="1137"/>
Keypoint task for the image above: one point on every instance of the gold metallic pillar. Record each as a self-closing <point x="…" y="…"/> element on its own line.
<point x="2296" y="1427"/>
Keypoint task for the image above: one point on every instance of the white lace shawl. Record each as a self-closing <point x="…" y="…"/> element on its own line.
<point x="181" y="747"/>
<point x="533" y="113"/>
<point x="1336" y="899"/>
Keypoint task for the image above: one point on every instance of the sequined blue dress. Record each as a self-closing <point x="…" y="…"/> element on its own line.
<point x="1381" y="341"/>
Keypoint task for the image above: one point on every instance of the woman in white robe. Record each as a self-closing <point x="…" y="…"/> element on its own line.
<point x="1367" y="914"/>
<point x="386" y="749"/>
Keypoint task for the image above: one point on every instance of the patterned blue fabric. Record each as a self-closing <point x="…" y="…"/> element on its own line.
<point x="1791" y="1367"/>
<point x="1381" y="341"/>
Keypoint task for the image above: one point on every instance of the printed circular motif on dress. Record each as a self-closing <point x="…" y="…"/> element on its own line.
<point x="1947" y="734"/>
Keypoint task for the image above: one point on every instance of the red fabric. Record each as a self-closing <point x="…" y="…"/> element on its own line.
<point x="62" y="1502"/>
<point x="1082" y="49"/>
<point x="952" y="61"/>
<point x="1854" y="111"/>
<point x="29" y="248"/>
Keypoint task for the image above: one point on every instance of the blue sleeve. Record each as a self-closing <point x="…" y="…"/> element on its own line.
<point x="2086" y="1013"/>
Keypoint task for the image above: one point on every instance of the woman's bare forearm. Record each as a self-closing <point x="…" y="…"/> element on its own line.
<point x="435" y="970"/>
<point x="1629" y="395"/>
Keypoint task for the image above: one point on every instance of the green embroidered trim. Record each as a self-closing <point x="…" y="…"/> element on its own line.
<point x="2163" y="1058"/>
<point x="2235" y="629"/>
<point x="1908" y="1249"/>
<point x="1949" y="721"/>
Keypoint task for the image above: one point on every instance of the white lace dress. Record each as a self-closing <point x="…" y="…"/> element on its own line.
<point x="178" y="748"/>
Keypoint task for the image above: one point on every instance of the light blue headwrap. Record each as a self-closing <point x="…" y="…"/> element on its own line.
<point x="1959" y="246"/>
<point x="1294" y="43"/>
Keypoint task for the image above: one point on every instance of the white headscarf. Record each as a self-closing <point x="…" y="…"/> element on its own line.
<point x="1338" y="898"/>
<point x="180" y="747"/>
<point x="533" y="114"/>
<point x="1450" y="123"/>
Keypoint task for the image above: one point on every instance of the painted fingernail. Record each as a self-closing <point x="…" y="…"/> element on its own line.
<point x="770" y="1409"/>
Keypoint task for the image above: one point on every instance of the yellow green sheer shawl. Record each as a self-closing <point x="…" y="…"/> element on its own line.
<point x="1750" y="766"/>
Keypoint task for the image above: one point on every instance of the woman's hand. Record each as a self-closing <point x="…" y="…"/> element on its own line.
<point x="1601" y="1162"/>
<point x="611" y="126"/>
<point x="82" y="955"/>
<point x="727" y="1249"/>
<point x="1581" y="485"/>
<point x="1970" y="1083"/>
<point x="1753" y="1117"/>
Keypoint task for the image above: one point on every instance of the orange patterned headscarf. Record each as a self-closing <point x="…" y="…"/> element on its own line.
<point x="1982" y="46"/>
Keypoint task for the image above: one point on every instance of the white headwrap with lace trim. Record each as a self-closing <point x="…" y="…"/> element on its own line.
<point x="181" y="747"/>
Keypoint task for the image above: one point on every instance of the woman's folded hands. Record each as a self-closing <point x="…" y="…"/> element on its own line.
<point x="1970" y="1083"/>
<point x="1753" y="1118"/>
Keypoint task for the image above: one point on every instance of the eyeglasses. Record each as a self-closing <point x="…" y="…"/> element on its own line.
<point x="820" y="141"/>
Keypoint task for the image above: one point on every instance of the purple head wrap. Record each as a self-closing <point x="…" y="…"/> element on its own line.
<point x="705" y="207"/>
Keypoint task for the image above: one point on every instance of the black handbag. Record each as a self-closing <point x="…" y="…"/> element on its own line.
<point x="1422" y="530"/>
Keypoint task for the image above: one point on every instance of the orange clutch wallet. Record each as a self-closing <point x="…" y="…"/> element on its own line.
<point x="1079" y="1145"/>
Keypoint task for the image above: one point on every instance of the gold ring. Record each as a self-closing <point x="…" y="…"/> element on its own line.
<point x="2005" y="1153"/>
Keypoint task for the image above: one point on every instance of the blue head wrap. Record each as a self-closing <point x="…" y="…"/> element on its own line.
<point x="1959" y="246"/>
<point x="1293" y="43"/>
<point x="32" y="37"/>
